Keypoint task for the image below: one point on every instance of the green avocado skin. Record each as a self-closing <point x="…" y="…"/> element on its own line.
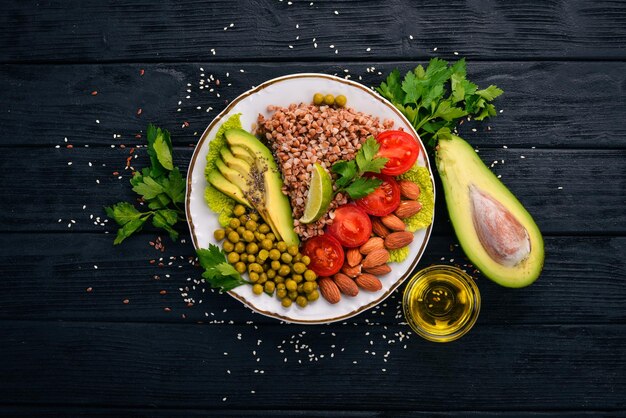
<point x="465" y="180"/>
<point x="256" y="180"/>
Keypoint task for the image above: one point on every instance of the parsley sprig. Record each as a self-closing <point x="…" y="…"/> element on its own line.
<point x="433" y="99"/>
<point x="161" y="186"/>
<point x="351" y="179"/>
<point x="217" y="271"/>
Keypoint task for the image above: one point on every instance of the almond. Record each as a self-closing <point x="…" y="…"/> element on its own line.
<point x="374" y="243"/>
<point x="393" y="222"/>
<point x="329" y="290"/>
<point x="346" y="285"/>
<point x="376" y="258"/>
<point x="378" y="228"/>
<point x="351" y="271"/>
<point x="379" y="270"/>
<point x="408" y="208"/>
<point x="398" y="240"/>
<point x="409" y="189"/>
<point x="353" y="257"/>
<point x="368" y="282"/>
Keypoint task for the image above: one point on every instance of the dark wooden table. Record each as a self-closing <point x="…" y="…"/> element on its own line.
<point x="69" y="345"/>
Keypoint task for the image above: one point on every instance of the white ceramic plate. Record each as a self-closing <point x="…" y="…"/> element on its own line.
<point x="283" y="91"/>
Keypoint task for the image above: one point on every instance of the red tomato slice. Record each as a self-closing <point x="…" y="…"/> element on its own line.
<point x="401" y="149"/>
<point x="384" y="200"/>
<point x="326" y="254"/>
<point x="351" y="226"/>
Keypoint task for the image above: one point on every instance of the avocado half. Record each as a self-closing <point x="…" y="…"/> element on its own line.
<point x="496" y="232"/>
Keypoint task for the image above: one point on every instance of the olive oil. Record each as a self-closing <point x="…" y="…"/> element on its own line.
<point x="441" y="303"/>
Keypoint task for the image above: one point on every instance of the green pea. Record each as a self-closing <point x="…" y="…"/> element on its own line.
<point x="257" y="289"/>
<point x="264" y="228"/>
<point x="329" y="99"/>
<point x="308" y="287"/>
<point x="254" y="277"/>
<point x="255" y="267"/>
<point x="300" y="288"/>
<point x="252" y="248"/>
<point x="267" y="244"/>
<point x="299" y="268"/>
<point x="259" y="236"/>
<point x="251" y="258"/>
<point x="251" y="225"/>
<point x="270" y="236"/>
<point x="232" y="257"/>
<point x="297" y="278"/>
<point x="263" y="255"/>
<point x="314" y="295"/>
<point x="240" y="247"/>
<point x="234" y="223"/>
<point x="219" y="234"/>
<point x="286" y="258"/>
<point x="275" y="264"/>
<point x="228" y="246"/>
<point x="292" y="295"/>
<point x="270" y="274"/>
<point x="281" y="293"/>
<point x="279" y="279"/>
<point x="302" y="301"/>
<point x="254" y="217"/>
<point x="262" y="279"/>
<point x="240" y="230"/>
<point x="239" y="210"/>
<point x="306" y="260"/>
<point x="297" y="257"/>
<point x="318" y="99"/>
<point x="228" y="230"/>
<point x="274" y="254"/>
<point x="280" y="286"/>
<point x="292" y="250"/>
<point x="233" y="237"/>
<point x="286" y="302"/>
<point x="269" y="287"/>
<point x="240" y="267"/>
<point x="341" y="100"/>
<point x="248" y="236"/>
<point x="281" y="246"/>
<point x="243" y="219"/>
<point x="284" y="270"/>
<point x="291" y="285"/>
<point x="310" y="275"/>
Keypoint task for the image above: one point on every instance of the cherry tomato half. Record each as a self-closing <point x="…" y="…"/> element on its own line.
<point x="351" y="226"/>
<point x="401" y="149"/>
<point x="326" y="254"/>
<point x="384" y="200"/>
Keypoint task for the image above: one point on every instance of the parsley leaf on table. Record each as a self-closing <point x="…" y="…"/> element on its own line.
<point x="217" y="271"/>
<point x="435" y="98"/>
<point x="161" y="186"/>
<point x="350" y="173"/>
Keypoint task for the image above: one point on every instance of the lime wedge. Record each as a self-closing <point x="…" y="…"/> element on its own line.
<point x="320" y="195"/>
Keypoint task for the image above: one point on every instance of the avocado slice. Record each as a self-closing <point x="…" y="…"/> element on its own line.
<point x="242" y="154"/>
<point x="265" y="185"/>
<point x="496" y="232"/>
<point x="235" y="163"/>
<point x="229" y="189"/>
<point x="232" y="175"/>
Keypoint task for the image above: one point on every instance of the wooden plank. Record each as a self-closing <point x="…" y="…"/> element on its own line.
<point x="546" y="104"/>
<point x="591" y="199"/>
<point x="57" y="411"/>
<point x="136" y="365"/>
<point x="60" y="267"/>
<point x="188" y="30"/>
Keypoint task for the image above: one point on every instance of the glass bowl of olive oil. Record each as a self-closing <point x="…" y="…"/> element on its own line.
<point x="441" y="303"/>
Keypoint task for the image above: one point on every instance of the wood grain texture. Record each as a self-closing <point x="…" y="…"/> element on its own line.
<point x="546" y="104"/>
<point x="591" y="200"/>
<point x="263" y="29"/>
<point x="161" y="366"/>
<point x="56" y="411"/>
<point x="580" y="275"/>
